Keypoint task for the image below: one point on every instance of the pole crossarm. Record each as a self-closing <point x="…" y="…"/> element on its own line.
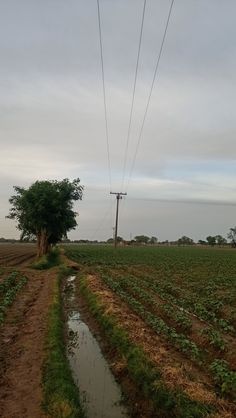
<point x="118" y="197"/>
<point x="119" y="193"/>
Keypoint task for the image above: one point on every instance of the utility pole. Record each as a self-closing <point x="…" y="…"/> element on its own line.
<point x="118" y="197"/>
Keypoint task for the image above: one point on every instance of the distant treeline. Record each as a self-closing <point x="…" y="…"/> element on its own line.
<point x="216" y="240"/>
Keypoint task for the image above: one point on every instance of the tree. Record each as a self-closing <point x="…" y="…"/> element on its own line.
<point x="110" y="241"/>
<point x="220" y="240"/>
<point x="153" y="240"/>
<point x="44" y="211"/>
<point x="202" y="242"/>
<point x="232" y="236"/>
<point x="211" y="240"/>
<point x="142" y="239"/>
<point x="185" y="241"/>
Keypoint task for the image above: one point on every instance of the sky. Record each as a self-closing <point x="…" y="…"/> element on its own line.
<point x="52" y="124"/>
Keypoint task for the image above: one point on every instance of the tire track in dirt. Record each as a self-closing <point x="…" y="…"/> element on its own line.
<point x="22" y="347"/>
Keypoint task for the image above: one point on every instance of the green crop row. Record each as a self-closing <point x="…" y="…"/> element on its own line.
<point x="202" y="281"/>
<point x="179" y="340"/>
<point x="168" y="403"/>
<point x="203" y="311"/>
<point x="8" y="291"/>
<point x="134" y="286"/>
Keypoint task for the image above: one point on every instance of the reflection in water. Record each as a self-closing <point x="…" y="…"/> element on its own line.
<point x="98" y="388"/>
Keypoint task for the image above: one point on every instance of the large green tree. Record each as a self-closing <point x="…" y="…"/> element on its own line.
<point x="45" y="210"/>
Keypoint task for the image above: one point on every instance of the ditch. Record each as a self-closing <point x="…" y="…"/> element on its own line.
<point x="100" y="394"/>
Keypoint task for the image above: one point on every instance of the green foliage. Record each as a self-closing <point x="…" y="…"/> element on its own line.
<point x="224" y="377"/>
<point x="148" y="378"/>
<point x="48" y="261"/>
<point x="153" y="240"/>
<point x="232" y="236"/>
<point x="8" y="291"/>
<point x="167" y="287"/>
<point x="158" y="324"/>
<point x="60" y="394"/>
<point x="214" y="338"/>
<point x="178" y="316"/>
<point x="185" y="241"/>
<point x="45" y="209"/>
<point x="142" y="239"/>
<point x="211" y="240"/>
<point x="220" y="240"/>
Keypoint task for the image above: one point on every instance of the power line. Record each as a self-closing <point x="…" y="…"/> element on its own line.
<point x="133" y="95"/>
<point x="150" y="93"/>
<point x="101" y="223"/>
<point x="185" y="201"/>
<point x="104" y="92"/>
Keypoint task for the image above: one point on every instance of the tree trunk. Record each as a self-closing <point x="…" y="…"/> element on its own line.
<point x="42" y="243"/>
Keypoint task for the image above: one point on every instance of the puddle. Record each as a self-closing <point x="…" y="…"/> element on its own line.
<point x="71" y="279"/>
<point x="99" y="392"/>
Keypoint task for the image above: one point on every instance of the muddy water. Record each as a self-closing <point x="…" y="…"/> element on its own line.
<point x="99" y="391"/>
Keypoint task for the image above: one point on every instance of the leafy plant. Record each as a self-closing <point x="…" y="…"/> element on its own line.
<point x="214" y="338"/>
<point x="224" y="377"/>
<point x="8" y="291"/>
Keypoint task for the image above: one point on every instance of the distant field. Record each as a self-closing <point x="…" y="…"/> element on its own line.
<point x="186" y="296"/>
<point x="12" y="255"/>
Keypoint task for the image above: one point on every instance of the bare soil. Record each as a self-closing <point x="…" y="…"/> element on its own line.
<point x="22" y="343"/>
<point x="12" y="255"/>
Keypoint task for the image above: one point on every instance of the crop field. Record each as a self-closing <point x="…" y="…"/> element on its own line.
<point x="25" y="295"/>
<point x="165" y="318"/>
<point x="12" y="255"/>
<point x="179" y="306"/>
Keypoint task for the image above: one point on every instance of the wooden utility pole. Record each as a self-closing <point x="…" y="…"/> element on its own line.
<point x="118" y="197"/>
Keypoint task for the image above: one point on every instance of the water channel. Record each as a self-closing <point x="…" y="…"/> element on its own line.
<point x="99" y="392"/>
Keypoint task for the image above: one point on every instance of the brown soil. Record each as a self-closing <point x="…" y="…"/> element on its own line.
<point x="177" y="371"/>
<point x="22" y="347"/>
<point x="16" y="254"/>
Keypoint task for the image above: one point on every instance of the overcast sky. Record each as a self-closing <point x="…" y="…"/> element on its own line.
<point x="52" y="116"/>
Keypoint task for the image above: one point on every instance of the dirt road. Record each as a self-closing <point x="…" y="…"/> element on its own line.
<point x="22" y="343"/>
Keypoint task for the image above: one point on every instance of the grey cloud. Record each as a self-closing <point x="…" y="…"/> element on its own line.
<point x="52" y="118"/>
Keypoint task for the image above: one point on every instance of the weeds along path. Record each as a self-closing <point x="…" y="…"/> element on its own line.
<point x="22" y="347"/>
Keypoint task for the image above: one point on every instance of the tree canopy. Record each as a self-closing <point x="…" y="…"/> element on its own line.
<point x="44" y="210"/>
<point x="211" y="240"/>
<point x="232" y="236"/>
<point x="185" y="241"/>
<point x="142" y="239"/>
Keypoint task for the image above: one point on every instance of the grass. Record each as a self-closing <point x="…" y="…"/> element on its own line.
<point x="146" y="376"/>
<point x="48" y="261"/>
<point x="61" y="395"/>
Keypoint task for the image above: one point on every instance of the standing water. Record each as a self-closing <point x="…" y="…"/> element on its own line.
<point x="99" y="391"/>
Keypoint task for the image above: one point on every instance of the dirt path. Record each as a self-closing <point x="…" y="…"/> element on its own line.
<point x="22" y="348"/>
